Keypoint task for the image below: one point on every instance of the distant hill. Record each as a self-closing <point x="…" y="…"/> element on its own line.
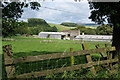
<point x="40" y="25"/>
<point x="69" y="24"/>
<point x="87" y="25"/>
<point x="60" y="27"/>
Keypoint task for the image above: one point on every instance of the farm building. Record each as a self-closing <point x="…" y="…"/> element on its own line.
<point x="72" y="33"/>
<point x="54" y="35"/>
<point x="94" y="37"/>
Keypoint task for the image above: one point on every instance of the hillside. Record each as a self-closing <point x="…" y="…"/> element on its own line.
<point x="87" y="25"/>
<point x="69" y="24"/>
<point x="91" y="27"/>
<point x="33" y="22"/>
<point x="60" y="27"/>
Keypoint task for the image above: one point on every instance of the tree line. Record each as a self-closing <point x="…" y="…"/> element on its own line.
<point x="32" y="27"/>
<point x="36" y="25"/>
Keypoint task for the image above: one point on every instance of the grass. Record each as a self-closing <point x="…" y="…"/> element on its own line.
<point x="34" y="46"/>
<point x="28" y="46"/>
<point x="91" y="27"/>
<point x="60" y="27"/>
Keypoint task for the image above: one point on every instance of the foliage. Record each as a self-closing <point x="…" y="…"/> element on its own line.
<point x="90" y="31"/>
<point x="54" y="29"/>
<point x="8" y="27"/>
<point x="104" y="30"/>
<point x="22" y="28"/>
<point x="85" y="30"/>
<point x="69" y="24"/>
<point x="11" y="11"/>
<point x="14" y="10"/>
<point x="109" y="11"/>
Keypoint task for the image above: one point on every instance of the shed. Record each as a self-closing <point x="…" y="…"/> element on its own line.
<point x="54" y="35"/>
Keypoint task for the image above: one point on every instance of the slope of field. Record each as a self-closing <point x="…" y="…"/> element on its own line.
<point x="91" y="27"/>
<point x="60" y="27"/>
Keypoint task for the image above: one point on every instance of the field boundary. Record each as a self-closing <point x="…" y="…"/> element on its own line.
<point x="51" y="41"/>
<point x="9" y="61"/>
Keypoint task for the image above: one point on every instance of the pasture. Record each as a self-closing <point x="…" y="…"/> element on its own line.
<point x="26" y="46"/>
<point x="60" y="27"/>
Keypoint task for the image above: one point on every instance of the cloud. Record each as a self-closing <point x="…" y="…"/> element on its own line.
<point x="58" y="12"/>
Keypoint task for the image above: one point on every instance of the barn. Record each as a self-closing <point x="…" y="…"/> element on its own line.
<point x="54" y="35"/>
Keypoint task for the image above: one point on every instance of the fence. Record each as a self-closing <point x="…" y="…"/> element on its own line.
<point x="9" y="61"/>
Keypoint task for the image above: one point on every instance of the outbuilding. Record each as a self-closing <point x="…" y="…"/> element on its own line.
<point x="54" y="35"/>
<point x="94" y="37"/>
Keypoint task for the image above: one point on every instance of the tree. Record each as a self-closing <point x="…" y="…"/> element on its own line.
<point x="54" y="29"/>
<point x="69" y="24"/>
<point x="109" y="11"/>
<point x="11" y="11"/>
<point x="85" y="30"/>
<point x="104" y="30"/>
<point x="22" y="29"/>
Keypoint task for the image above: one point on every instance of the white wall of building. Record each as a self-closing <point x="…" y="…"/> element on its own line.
<point x="51" y="35"/>
<point x="94" y="37"/>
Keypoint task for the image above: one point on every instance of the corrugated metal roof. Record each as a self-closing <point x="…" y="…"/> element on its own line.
<point x="62" y="33"/>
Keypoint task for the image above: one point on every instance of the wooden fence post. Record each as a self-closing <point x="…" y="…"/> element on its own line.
<point x="8" y="59"/>
<point x="89" y="59"/>
<point x="103" y="54"/>
<point x="72" y="57"/>
<point x="109" y="56"/>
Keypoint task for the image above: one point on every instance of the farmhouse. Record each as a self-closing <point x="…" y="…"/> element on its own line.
<point x="54" y="35"/>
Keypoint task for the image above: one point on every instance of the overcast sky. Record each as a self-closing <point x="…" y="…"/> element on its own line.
<point x="58" y="12"/>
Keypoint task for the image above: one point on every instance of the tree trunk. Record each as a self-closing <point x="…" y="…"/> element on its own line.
<point x="116" y="41"/>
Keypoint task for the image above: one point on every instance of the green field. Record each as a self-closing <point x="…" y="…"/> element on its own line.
<point x="26" y="46"/>
<point x="61" y="27"/>
<point x="34" y="46"/>
<point x="91" y="27"/>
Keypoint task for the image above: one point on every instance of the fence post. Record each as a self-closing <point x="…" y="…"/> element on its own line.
<point x="109" y="56"/>
<point x="89" y="59"/>
<point x="103" y="54"/>
<point x="72" y="57"/>
<point x="8" y="59"/>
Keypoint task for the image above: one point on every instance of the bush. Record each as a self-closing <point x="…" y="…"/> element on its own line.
<point x="104" y="30"/>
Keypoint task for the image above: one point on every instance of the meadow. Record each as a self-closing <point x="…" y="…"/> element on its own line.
<point x="60" y="27"/>
<point x="28" y="46"/>
<point x="36" y="46"/>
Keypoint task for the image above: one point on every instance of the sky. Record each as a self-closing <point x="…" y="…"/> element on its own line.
<point x="60" y="11"/>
